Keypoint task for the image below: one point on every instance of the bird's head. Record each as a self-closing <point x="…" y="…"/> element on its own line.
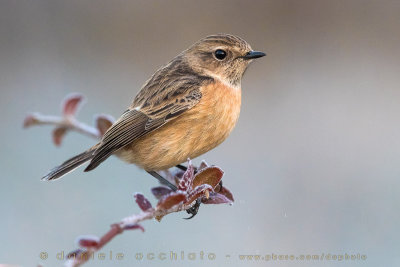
<point x="221" y="56"/>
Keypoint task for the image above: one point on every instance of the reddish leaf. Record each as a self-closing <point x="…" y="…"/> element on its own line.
<point x="88" y="241"/>
<point x="171" y="200"/>
<point x="142" y="201"/>
<point x="103" y="122"/>
<point x="58" y="134"/>
<point x="227" y="193"/>
<point x="71" y="103"/>
<point x="209" y="175"/>
<point x="177" y="174"/>
<point x="217" y="198"/>
<point x="30" y="120"/>
<point x="134" y="227"/>
<point x="218" y="188"/>
<point x="186" y="181"/>
<point x="160" y="191"/>
<point x="198" y="192"/>
<point x="203" y="165"/>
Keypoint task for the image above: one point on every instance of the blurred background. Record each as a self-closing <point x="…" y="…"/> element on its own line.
<point x="313" y="162"/>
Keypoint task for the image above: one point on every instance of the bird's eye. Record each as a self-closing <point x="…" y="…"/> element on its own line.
<point x="220" y="54"/>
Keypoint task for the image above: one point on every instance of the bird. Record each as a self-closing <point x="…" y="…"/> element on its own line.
<point x="185" y="109"/>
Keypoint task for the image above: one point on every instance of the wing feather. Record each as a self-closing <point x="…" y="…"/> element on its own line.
<point x="171" y="91"/>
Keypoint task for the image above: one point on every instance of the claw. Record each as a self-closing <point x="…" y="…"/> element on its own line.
<point x="188" y="218"/>
<point x="194" y="209"/>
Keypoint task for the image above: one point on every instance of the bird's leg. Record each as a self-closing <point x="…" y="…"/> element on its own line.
<point x="195" y="208"/>
<point x="163" y="180"/>
<point x="192" y="210"/>
<point x="181" y="167"/>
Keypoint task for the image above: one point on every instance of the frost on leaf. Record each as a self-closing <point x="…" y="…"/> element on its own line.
<point x="204" y="184"/>
<point x="186" y="181"/>
<point x="198" y="191"/>
<point x="208" y="175"/>
<point x="171" y="200"/>
<point x="143" y="203"/>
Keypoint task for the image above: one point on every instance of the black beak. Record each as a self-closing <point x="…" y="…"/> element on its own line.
<point x="253" y="55"/>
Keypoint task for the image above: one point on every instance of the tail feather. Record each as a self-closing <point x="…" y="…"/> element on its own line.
<point x="69" y="165"/>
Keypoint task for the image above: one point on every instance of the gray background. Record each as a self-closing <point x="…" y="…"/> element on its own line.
<point x="313" y="162"/>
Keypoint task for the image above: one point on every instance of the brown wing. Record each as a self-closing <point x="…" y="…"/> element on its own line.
<point x="160" y="101"/>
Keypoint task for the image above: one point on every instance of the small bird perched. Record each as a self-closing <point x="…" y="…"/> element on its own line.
<point x="185" y="109"/>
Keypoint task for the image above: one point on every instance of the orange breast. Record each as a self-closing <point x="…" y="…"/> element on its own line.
<point x="195" y="132"/>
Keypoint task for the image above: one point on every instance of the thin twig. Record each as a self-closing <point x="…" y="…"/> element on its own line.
<point x="69" y="123"/>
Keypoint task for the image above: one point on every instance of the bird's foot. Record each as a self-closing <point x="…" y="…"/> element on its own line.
<point x="193" y="210"/>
